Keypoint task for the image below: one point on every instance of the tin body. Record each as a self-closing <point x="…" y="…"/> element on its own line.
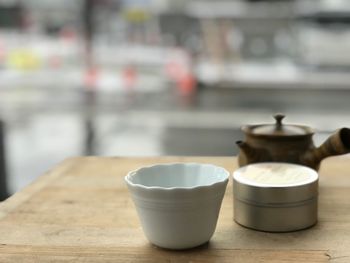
<point x="283" y="207"/>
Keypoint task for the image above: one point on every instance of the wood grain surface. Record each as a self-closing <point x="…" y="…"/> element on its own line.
<point x="81" y="211"/>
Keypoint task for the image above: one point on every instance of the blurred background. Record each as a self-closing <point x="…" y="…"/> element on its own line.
<point x="162" y="77"/>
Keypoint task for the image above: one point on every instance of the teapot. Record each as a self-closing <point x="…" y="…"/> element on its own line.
<point x="289" y="143"/>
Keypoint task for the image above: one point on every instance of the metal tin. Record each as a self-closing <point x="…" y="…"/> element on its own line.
<point x="275" y="197"/>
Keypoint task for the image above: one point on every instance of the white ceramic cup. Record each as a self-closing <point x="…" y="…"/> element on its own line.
<point x="178" y="204"/>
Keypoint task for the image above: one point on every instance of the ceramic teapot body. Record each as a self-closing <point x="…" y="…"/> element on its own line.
<point x="289" y="143"/>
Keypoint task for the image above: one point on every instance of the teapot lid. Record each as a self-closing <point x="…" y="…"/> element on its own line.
<point x="278" y="128"/>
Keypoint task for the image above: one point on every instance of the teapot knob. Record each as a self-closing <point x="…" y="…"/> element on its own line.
<point x="279" y="117"/>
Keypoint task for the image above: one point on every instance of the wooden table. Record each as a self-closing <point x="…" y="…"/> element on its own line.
<point x="80" y="211"/>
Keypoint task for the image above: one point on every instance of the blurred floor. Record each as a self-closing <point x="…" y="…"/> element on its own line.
<point x="42" y="133"/>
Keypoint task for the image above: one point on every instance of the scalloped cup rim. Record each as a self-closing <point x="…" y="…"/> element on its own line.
<point x="128" y="177"/>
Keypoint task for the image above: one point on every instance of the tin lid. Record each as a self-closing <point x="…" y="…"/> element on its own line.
<point x="278" y="128"/>
<point x="275" y="183"/>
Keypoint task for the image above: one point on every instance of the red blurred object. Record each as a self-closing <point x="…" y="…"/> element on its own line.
<point x="91" y="78"/>
<point x="68" y="34"/>
<point x="187" y="84"/>
<point x="174" y="70"/>
<point x="178" y="70"/>
<point x="129" y="77"/>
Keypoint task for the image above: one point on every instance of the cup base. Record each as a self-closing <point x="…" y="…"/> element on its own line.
<point x="199" y="246"/>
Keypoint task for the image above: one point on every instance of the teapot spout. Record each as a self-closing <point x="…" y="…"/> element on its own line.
<point x="250" y="153"/>
<point x="336" y="144"/>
